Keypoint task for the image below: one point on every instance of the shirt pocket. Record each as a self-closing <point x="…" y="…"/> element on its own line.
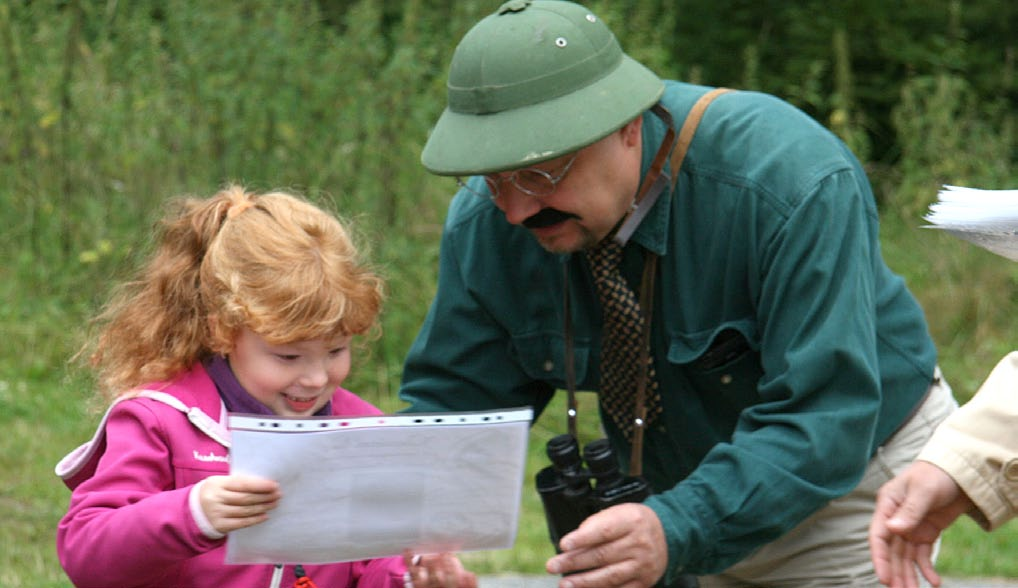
<point x="723" y="362"/>
<point x="541" y="356"/>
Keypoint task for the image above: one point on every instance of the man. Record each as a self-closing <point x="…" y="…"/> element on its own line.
<point x="969" y="466"/>
<point x="785" y="360"/>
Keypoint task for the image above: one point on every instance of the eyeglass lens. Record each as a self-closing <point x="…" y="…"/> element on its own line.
<point x="529" y="181"/>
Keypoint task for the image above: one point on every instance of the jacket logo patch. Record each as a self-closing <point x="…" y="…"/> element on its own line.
<point x="210" y="457"/>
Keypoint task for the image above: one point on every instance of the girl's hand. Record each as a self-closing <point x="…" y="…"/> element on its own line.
<point x="440" y="570"/>
<point x="234" y="502"/>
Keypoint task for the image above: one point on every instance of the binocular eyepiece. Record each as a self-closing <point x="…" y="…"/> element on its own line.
<point x="571" y="490"/>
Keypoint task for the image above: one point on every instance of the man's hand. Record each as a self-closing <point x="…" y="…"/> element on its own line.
<point x="911" y="511"/>
<point x="620" y="547"/>
<point x="235" y="502"/>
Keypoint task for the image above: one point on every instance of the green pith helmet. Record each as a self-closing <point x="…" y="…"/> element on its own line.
<point x="535" y="80"/>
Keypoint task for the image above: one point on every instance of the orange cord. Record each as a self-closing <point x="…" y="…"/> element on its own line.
<point x="303" y="581"/>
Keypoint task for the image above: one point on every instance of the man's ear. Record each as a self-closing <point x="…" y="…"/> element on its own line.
<point x="632" y="132"/>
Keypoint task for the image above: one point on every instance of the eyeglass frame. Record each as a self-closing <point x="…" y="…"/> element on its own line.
<point x="493" y="184"/>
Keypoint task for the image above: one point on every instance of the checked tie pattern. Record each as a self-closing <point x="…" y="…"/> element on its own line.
<point x="620" y="341"/>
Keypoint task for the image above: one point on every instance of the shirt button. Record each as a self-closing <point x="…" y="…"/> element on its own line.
<point x="549" y="365"/>
<point x="726" y="379"/>
<point x="1011" y="470"/>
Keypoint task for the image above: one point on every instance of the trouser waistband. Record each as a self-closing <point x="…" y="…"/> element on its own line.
<point x="935" y="381"/>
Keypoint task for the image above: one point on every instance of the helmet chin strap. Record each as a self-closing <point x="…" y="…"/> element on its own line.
<point x="653" y="184"/>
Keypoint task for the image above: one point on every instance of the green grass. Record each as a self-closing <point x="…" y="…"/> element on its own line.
<point x="41" y="421"/>
<point x="967" y="550"/>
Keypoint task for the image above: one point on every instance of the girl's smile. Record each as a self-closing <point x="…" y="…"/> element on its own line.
<point x="292" y="379"/>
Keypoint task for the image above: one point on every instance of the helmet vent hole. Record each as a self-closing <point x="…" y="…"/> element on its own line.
<point x="561" y="42"/>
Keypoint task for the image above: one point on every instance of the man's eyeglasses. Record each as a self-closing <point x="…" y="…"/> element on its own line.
<point x="531" y="181"/>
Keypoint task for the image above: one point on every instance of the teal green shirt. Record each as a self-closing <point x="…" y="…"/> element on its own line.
<point x="769" y="243"/>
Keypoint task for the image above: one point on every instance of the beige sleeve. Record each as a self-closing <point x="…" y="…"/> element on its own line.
<point x="978" y="446"/>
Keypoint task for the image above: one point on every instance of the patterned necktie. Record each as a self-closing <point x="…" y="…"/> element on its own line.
<point x="620" y="341"/>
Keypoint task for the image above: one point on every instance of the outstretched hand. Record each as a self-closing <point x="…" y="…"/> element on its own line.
<point x="622" y="546"/>
<point x="234" y="502"/>
<point x="911" y="512"/>
<point x="439" y="570"/>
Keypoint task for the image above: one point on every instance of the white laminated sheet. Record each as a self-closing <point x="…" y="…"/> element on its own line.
<point x="987" y="218"/>
<point x="374" y="486"/>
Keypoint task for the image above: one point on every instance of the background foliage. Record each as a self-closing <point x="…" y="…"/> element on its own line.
<point x="107" y="108"/>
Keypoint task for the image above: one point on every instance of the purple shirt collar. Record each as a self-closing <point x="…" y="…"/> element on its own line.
<point x="234" y="396"/>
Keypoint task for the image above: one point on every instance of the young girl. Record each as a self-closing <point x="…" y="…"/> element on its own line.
<point x="248" y="305"/>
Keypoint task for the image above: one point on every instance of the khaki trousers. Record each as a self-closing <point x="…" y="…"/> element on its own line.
<point x="830" y="549"/>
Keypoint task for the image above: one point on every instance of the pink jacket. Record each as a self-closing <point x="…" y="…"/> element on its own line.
<point x="132" y="518"/>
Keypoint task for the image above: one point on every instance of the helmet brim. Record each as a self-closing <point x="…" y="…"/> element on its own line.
<point x="463" y="144"/>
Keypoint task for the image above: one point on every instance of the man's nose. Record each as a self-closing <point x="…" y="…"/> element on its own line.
<point x="516" y="205"/>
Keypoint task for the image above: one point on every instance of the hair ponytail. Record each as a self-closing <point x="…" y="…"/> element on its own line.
<point x="156" y="325"/>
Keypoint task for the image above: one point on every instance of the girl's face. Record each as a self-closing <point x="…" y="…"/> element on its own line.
<point x="295" y="379"/>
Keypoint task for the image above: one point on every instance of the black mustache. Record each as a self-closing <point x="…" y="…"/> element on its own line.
<point x="547" y="217"/>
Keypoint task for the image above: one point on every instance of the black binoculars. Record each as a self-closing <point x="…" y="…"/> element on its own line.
<point x="570" y="492"/>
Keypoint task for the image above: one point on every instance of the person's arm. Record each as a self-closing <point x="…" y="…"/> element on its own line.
<point x="969" y="465"/>
<point x="811" y="435"/>
<point x="461" y="358"/>
<point x="123" y="527"/>
<point x="911" y="512"/>
<point x="978" y="446"/>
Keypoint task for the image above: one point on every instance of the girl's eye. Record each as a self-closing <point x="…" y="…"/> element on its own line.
<point x="337" y="350"/>
<point x="286" y="356"/>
